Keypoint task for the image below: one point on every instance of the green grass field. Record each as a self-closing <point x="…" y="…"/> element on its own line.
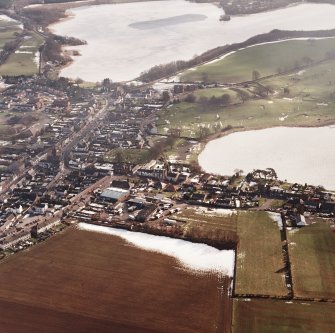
<point x="259" y="256"/>
<point x="269" y="316"/>
<point x="315" y="84"/>
<point x="7" y="33"/>
<point x="216" y="92"/>
<point x="24" y="61"/>
<point x="313" y="261"/>
<point x="266" y="59"/>
<point x="308" y="101"/>
<point x="252" y="114"/>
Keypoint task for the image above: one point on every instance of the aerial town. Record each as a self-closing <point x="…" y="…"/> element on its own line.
<point x="167" y="166"/>
<point x="57" y="173"/>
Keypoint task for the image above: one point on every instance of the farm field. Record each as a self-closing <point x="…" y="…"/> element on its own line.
<point x="259" y="252"/>
<point x="81" y="281"/>
<point x="267" y="59"/>
<point x="259" y="256"/>
<point x="256" y="316"/>
<point x="201" y="217"/>
<point x="313" y="261"/>
<point x="200" y="223"/>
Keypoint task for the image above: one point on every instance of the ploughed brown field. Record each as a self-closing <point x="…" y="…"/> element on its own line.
<point x="81" y="281"/>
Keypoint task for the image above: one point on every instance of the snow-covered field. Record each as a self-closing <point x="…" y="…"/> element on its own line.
<point x="197" y="257"/>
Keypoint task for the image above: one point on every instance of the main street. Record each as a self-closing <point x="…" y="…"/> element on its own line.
<point x="64" y="149"/>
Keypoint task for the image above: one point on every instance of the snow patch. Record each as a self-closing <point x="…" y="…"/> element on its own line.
<point x="277" y="218"/>
<point x="292" y="230"/>
<point x="7" y="19"/>
<point x="23" y="52"/>
<point x="283" y="118"/>
<point x="37" y="58"/>
<point x="199" y="257"/>
<point x="216" y="211"/>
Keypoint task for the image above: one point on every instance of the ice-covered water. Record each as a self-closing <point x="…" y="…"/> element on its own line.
<point x="303" y="155"/>
<point x="126" y="39"/>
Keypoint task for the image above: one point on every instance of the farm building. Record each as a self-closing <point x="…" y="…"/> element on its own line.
<point x="114" y="194"/>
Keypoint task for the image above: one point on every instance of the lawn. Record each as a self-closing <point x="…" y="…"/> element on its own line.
<point x="80" y="281"/>
<point x="259" y="256"/>
<point x="257" y="316"/>
<point x="313" y="261"/>
<point x="267" y="59"/>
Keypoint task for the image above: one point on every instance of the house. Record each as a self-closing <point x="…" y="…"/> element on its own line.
<point x="199" y="197"/>
<point x="172" y="176"/>
<point x="124" y="184"/>
<point x="62" y="105"/>
<point x="312" y="206"/>
<point x="178" y="89"/>
<point x="145" y="213"/>
<point x="159" y="185"/>
<point x="152" y="173"/>
<point x="138" y="202"/>
<point x="43" y="226"/>
<point x="24" y="108"/>
<point x="328" y="208"/>
<point x="11" y="240"/>
<point x="41" y="208"/>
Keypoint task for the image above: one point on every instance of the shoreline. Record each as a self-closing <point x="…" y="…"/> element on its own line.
<point x="213" y="54"/>
<point x="215" y="136"/>
<point x="216" y="53"/>
<point x="326" y="123"/>
<point x="68" y="16"/>
<point x="259" y="10"/>
<point x="295" y="4"/>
